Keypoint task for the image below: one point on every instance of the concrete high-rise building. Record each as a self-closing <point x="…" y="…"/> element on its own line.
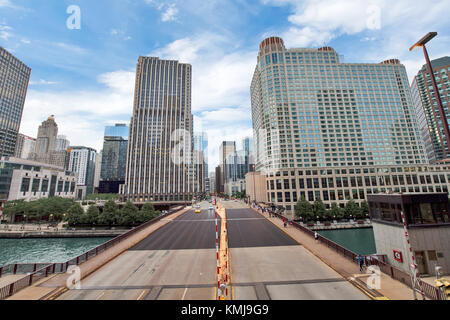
<point x="98" y="169"/>
<point x="159" y="159"/>
<point x="431" y="130"/>
<point x="62" y="144"/>
<point x="114" y="158"/>
<point x="212" y="182"/>
<point x="226" y="150"/>
<point x="315" y="117"/>
<point x="14" y="79"/>
<point x="237" y="165"/>
<point x="83" y="161"/>
<point x="24" y="147"/>
<point x="201" y="160"/>
<point x="46" y="148"/>
<point x="218" y="183"/>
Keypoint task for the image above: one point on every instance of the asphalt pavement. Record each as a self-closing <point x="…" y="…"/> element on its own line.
<point x="190" y="231"/>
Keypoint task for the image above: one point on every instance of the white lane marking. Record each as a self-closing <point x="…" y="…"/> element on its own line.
<point x="184" y="294"/>
<point x="141" y="295"/>
<point x="98" y="298"/>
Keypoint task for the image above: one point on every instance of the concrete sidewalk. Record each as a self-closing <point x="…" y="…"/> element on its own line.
<point x="54" y="285"/>
<point x="390" y="288"/>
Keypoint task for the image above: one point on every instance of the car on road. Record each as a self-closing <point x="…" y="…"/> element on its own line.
<point x="197" y="209"/>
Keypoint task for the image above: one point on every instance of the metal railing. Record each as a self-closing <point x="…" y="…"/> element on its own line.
<point x="430" y="291"/>
<point x="53" y="268"/>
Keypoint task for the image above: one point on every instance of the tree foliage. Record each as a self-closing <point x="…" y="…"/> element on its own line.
<point x="304" y="209"/>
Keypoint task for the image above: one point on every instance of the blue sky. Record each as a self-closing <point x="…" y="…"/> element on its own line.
<point x="86" y="77"/>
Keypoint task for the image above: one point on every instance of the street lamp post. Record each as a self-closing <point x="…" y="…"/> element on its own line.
<point x="421" y="43"/>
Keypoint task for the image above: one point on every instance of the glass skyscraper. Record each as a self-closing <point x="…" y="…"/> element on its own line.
<point x="114" y="158"/>
<point x="430" y="124"/>
<point x="311" y="110"/>
<point x="14" y="79"/>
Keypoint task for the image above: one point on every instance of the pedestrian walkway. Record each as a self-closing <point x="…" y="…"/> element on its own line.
<point x="47" y="287"/>
<point x="390" y="288"/>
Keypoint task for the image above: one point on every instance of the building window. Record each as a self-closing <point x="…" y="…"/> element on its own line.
<point x="25" y="186"/>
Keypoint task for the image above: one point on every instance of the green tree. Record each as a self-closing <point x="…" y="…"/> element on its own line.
<point x="319" y="208"/>
<point x="128" y="214"/>
<point x="364" y="209"/>
<point x="147" y="213"/>
<point x="352" y="209"/>
<point x="93" y="214"/>
<point x="304" y="209"/>
<point x="109" y="216"/>
<point x="75" y="215"/>
<point x="336" y="211"/>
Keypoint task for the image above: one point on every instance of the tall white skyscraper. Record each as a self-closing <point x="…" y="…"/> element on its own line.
<point x="159" y="159"/>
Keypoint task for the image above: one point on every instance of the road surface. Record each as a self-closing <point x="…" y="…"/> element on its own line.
<point x="268" y="264"/>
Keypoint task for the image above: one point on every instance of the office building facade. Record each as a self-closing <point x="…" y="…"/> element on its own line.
<point x="160" y="157"/>
<point x="24" y="146"/>
<point x="427" y="111"/>
<point x="14" y="79"/>
<point x="315" y="120"/>
<point x="46" y="148"/>
<point x="29" y="180"/>
<point x="114" y="158"/>
<point x="83" y="162"/>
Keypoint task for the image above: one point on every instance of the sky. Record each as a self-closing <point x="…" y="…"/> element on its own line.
<point x="83" y="54"/>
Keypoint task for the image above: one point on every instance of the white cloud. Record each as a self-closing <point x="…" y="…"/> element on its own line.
<point x="6" y="3"/>
<point x="42" y="82"/>
<point x="5" y="32"/>
<point x="170" y="13"/>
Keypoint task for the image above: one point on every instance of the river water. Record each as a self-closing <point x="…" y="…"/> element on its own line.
<point x="361" y="241"/>
<point x="45" y="250"/>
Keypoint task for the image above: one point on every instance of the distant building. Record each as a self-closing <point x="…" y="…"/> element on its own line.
<point x="29" y="180"/>
<point x="62" y="144"/>
<point x="212" y="182"/>
<point x="114" y="158"/>
<point x="432" y="132"/>
<point x="219" y="188"/>
<point x="82" y="161"/>
<point x="48" y="149"/>
<point x="98" y="168"/>
<point x="24" y="147"/>
<point x="14" y="78"/>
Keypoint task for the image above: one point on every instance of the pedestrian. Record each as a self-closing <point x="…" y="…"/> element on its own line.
<point x="361" y="263"/>
<point x="316" y="236"/>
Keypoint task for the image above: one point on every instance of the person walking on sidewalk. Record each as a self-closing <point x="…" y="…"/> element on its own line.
<point x="360" y="262"/>
<point x="316" y="236"/>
